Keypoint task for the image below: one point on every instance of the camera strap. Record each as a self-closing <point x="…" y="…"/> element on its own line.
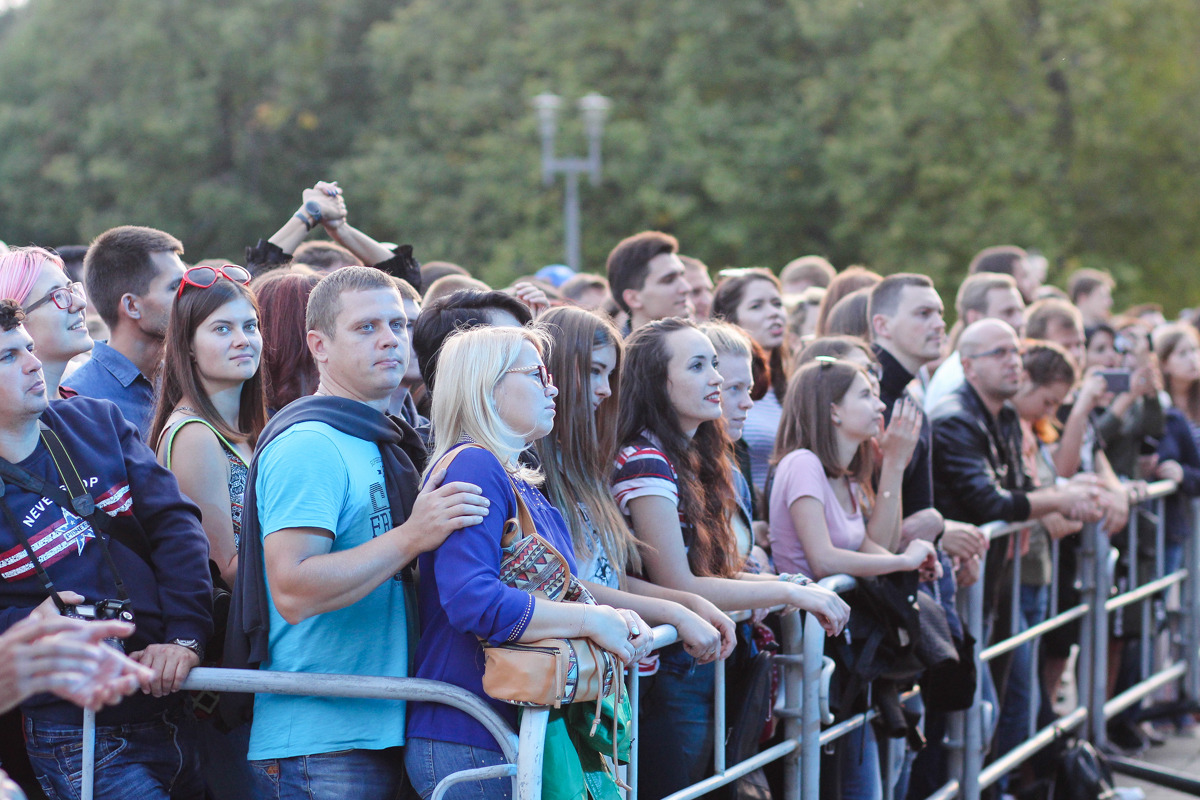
<point x="78" y="500"/>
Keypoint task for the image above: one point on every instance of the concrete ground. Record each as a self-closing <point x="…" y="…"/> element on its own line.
<point x="1181" y="752"/>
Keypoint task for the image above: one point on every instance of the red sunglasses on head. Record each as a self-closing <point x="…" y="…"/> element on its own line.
<point x="205" y="277"/>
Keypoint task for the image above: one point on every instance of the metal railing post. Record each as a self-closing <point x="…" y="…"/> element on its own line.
<point x="972" y="739"/>
<point x="529" y="754"/>
<point x="1191" y="609"/>
<point x="810" y="714"/>
<point x="88" y="778"/>
<point x="793" y="690"/>
<point x="1096" y="692"/>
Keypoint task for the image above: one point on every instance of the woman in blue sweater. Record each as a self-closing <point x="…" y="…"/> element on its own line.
<point x="493" y="390"/>
<point x="1178" y="349"/>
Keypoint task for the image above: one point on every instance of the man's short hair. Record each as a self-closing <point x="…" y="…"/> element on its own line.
<point x="973" y="293"/>
<point x="465" y="309"/>
<point x="407" y="291"/>
<point x="576" y="286"/>
<point x="629" y="261"/>
<point x="118" y="263"/>
<point x="1085" y="281"/>
<point x="1043" y="313"/>
<point x="1002" y="258"/>
<point x="325" y="256"/>
<point x="432" y="270"/>
<point x="72" y="257"/>
<point x="450" y="284"/>
<point x="11" y="314"/>
<point x="814" y="270"/>
<point x="885" y="295"/>
<point x="325" y="302"/>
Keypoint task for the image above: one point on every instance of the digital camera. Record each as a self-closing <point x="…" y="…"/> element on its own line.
<point x="102" y="610"/>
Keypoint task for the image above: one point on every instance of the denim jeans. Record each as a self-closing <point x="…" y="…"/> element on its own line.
<point x="349" y="774"/>
<point x="1022" y="693"/>
<point x="150" y="760"/>
<point x="428" y="761"/>
<point x="223" y="765"/>
<point x="675" y="733"/>
<point x="858" y="765"/>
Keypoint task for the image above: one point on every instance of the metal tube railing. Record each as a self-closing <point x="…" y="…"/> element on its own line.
<point x="805" y="679"/>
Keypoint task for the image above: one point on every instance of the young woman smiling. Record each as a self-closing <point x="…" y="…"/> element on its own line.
<point x="211" y="409"/>
<point x="752" y="299"/>
<point x="53" y="307"/>
<point x="586" y="349"/>
<point x="678" y="499"/>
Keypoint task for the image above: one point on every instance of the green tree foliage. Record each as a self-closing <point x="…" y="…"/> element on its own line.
<point x="904" y="134"/>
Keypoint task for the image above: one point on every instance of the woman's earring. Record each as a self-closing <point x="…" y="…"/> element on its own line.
<point x="836" y="421"/>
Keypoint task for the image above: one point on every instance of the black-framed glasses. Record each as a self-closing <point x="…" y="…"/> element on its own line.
<point x="206" y="277"/>
<point x="540" y="372"/>
<point x="999" y="353"/>
<point x="63" y="297"/>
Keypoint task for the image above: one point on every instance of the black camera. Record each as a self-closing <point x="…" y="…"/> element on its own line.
<point x="103" y="610"/>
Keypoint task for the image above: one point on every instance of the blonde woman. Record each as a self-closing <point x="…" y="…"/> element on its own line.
<point x="494" y="391"/>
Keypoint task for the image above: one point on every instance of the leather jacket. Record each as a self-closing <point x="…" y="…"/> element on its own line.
<point x="978" y="473"/>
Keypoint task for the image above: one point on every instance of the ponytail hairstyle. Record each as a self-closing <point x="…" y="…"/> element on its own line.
<point x="580" y="451"/>
<point x="706" y="495"/>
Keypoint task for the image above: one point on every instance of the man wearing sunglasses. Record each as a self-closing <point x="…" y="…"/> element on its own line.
<point x="132" y="275"/>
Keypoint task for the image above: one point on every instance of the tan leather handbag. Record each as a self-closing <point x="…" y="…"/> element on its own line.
<point x="547" y="672"/>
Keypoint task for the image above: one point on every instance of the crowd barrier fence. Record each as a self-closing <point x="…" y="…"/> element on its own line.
<point x="806" y="672"/>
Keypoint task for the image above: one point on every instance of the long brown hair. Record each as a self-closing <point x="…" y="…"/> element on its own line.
<point x="287" y="364"/>
<point x="1166" y="340"/>
<point x="706" y="496"/>
<point x="727" y="298"/>
<point x="580" y="451"/>
<point x="807" y="419"/>
<point x="180" y="375"/>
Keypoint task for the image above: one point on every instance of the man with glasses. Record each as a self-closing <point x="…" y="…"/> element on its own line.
<point x="132" y="275"/>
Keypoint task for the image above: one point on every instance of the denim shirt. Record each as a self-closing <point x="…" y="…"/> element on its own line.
<point x="109" y="375"/>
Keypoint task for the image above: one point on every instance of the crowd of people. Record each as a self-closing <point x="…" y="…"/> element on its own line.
<point x="310" y="462"/>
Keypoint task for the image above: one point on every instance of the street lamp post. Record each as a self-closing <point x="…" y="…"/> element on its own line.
<point x="593" y="108"/>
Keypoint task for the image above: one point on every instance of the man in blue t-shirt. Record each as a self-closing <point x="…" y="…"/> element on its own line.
<point x="330" y="480"/>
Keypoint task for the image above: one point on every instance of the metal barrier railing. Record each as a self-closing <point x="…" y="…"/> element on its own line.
<point x="806" y="674"/>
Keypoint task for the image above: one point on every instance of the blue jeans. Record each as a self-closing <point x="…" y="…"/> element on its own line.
<point x="428" y="761"/>
<point x="1022" y="693"/>
<point x="858" y="764"/>
<point x="349" y="774"/>
<point x="675" y="724"/>
<point x="139" y="761"/>
<point x="223" y="763"/>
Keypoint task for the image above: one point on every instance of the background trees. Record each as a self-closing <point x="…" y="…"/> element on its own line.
<point x="904" y="134"/>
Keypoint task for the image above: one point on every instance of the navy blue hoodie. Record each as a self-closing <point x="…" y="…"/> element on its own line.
<point x="171" y="600"/>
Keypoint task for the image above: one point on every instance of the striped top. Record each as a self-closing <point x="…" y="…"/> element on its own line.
<point x="643" y="470"/>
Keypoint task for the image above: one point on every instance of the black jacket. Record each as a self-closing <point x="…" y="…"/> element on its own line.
<point x="978" y="475"/>
<point x="1178" y="445"/>
<point x="918" y="475"/>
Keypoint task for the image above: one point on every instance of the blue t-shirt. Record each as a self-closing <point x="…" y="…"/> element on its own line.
<point x="313" y="476"/>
